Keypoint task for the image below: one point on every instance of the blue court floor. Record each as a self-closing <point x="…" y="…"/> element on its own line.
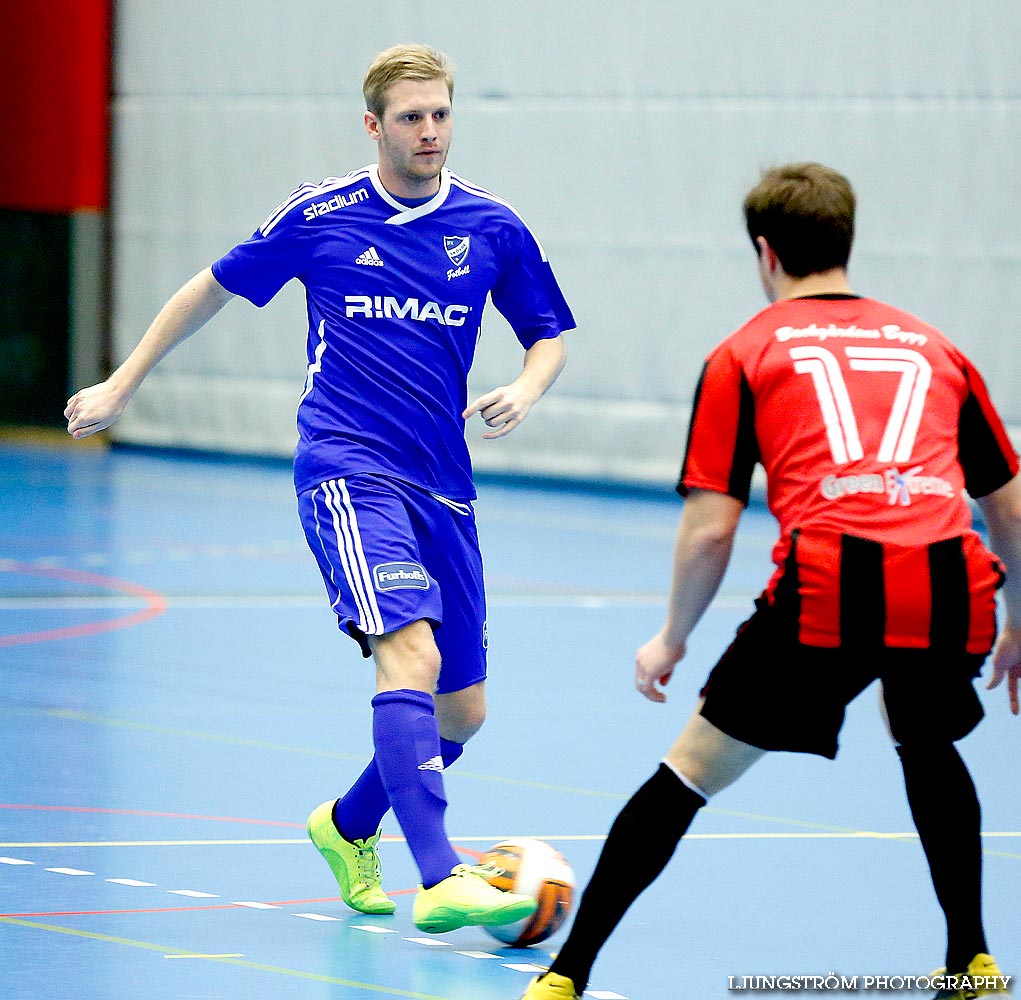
<point x="175" y="698"/>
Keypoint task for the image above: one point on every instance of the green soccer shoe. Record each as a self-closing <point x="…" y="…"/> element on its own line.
<point x="355" y="865"/>
<point x="465" y="898"/>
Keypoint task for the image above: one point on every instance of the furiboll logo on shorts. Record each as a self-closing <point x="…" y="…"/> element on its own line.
<point x="400" y="576"/>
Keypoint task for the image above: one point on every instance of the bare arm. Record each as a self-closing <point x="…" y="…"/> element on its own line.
<point x="191" y="307"/>
<point x="1002" y="511"/>
<point x="505" y="407"/>
<point x="705" y="536"/>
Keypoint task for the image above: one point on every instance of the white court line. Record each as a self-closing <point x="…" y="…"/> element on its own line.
<point x="779" y="835"/>
<point x="427" y="942"/>
<point x="555" y="599"/>
<point x="494" y="838"/>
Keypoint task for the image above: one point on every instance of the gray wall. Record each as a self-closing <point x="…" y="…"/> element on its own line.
<point x="625" y="133"/>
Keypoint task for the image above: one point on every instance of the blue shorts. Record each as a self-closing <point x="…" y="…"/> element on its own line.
<point x="392" y="553"/>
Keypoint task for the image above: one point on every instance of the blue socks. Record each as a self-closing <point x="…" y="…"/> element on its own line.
<point x="366" y="803"/>
<point x="358" y="814"/>
<point x="406" y="773"/>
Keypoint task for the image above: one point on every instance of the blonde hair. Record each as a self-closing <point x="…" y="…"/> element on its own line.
<point x="404" y="62"/>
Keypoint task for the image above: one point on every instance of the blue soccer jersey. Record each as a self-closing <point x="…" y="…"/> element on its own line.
<point x="395" y="301"/>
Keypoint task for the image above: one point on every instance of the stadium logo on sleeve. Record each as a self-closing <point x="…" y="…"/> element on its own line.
<point x="318" y="208"/>
<point x="400" y="576"/>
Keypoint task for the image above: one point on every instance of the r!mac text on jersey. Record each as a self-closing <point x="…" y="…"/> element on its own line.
<point x="388" y="307"/>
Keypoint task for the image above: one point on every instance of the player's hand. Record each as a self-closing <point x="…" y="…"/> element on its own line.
<point x="654" y="665"/>
<point x="1007" y="663"/>
<point x="502" y="409"/>
<point x="93" y="409"/>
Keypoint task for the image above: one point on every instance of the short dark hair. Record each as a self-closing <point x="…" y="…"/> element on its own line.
<point x="805" y="211"/>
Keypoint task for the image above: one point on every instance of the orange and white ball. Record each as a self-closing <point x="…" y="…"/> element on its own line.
<point x="538" y="870"/>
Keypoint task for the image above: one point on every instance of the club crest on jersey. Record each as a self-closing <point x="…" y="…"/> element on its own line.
<point x="457" y="248"/>
<point x="400" y="576"/>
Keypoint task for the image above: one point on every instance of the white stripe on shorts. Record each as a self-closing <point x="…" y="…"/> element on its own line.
<point x="352" y="555"/>
<point x="326" y="552"/>
<point x="458" y="508"/>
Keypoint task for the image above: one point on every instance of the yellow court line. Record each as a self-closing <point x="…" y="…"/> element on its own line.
<point x="206" y="737"/>
<point x="88" y="717"/>
<point x="197" y="734"/>
<point x="222" y="959"/>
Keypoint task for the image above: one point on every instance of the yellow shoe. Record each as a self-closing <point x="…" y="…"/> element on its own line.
<point x="355" y="865"/>
<point x="550" y="986"/>
<point x="982" y="979"/>
<point x="465" y="897"/>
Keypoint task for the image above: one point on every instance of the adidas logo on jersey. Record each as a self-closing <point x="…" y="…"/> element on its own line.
<point x="370" y="258"/>
<point x="433" y="764"/>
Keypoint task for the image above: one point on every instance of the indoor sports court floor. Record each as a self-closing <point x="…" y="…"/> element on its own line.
<point x="174" y="699"/>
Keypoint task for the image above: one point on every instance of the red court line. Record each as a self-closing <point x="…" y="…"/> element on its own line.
<point x="101" y="913"/>
<point x="187" y="909"/>
<point x="155" y="602"/>
<point x="214" y="819"/>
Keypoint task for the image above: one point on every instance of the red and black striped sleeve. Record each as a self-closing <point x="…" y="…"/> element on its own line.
<point x="722" y="449"/>
<point x="983" y="447"/>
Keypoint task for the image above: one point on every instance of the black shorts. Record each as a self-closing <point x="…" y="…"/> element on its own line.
<point x="774" y="693"/>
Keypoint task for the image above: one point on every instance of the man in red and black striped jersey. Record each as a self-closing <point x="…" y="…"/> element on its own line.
<point x="871" y="427"/>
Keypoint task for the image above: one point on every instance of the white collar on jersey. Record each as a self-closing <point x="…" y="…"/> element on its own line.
<point x="405" y="214"/>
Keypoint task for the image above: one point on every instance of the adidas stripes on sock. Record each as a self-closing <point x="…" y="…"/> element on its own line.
<point x="947" y="815"/>
<point x="406" y="738"/>
<point x="359" y="812"/>
<point x="640" y="843"/>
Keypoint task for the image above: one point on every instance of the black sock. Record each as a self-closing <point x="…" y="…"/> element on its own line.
<point x="948" y="818"/>
<point x="640" y="843"/>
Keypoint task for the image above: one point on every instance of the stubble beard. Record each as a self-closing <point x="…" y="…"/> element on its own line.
<point x="420" y="172"/>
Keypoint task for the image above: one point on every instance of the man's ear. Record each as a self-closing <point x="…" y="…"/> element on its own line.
<point x="767" y="255"/>
<point x="371" y="125"/>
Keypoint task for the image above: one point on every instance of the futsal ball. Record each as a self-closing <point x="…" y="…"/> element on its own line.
<point x="538" y="870"/>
